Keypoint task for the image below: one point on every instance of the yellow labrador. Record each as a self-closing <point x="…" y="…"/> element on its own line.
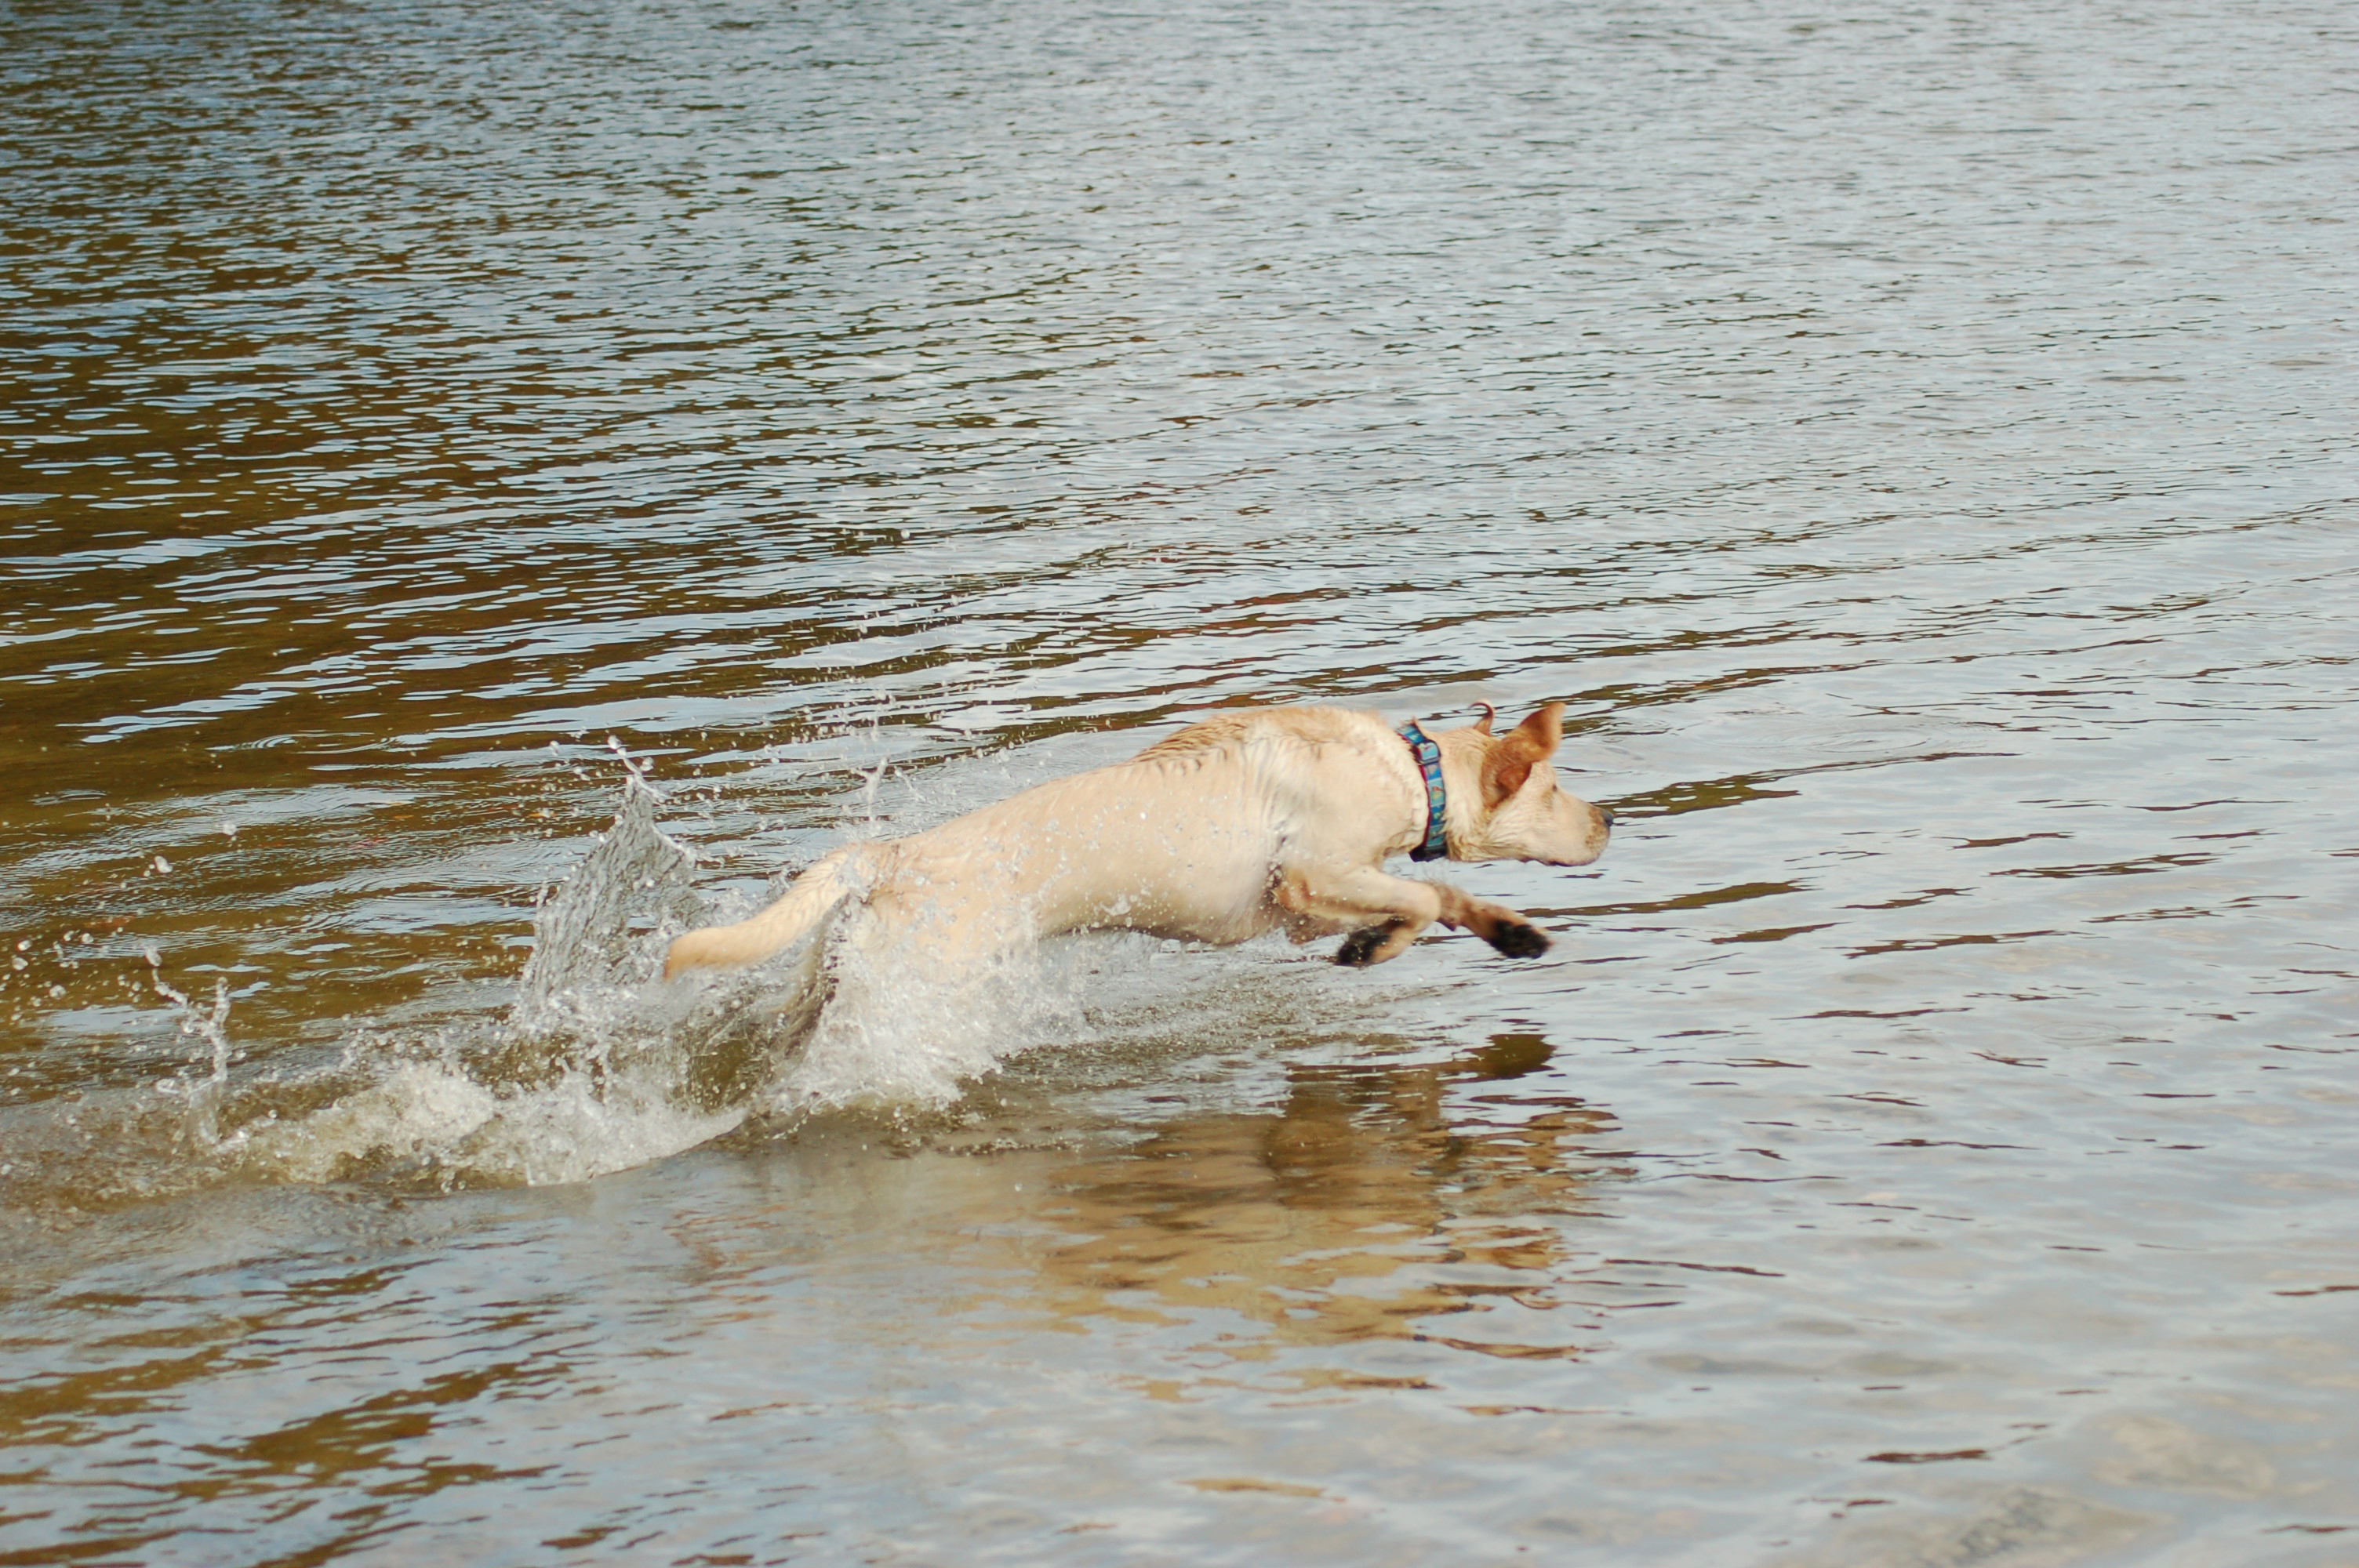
<point x="1266" y="820"/>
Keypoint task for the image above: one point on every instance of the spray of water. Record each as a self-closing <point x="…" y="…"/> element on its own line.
<point x="598" y="1066"/>
<point x="595" y="1065"/>
<point x="592" y="1068"/>
<point x="203" y="1095"/>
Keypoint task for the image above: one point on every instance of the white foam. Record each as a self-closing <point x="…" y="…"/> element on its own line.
<point x="434" y="1115"/>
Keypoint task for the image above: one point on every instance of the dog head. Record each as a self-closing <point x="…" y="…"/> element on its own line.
<point x="1504" y="800"/>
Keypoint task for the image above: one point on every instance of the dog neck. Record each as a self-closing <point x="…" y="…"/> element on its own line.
<point x="1435" y="842"/>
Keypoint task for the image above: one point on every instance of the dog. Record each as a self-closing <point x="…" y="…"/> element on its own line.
<point x="1271" y="819"/>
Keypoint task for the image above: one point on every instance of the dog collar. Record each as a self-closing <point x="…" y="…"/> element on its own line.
<point x="1437" y="802"/>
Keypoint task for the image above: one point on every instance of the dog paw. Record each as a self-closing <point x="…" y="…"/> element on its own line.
<point x="1359" y="949"/>
<point x="1518" y="940"/>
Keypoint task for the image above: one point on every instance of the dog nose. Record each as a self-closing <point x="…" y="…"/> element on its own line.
<point x="1607" y="815"/>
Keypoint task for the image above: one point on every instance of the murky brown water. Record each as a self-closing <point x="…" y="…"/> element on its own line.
<point x="1916" y="440"/>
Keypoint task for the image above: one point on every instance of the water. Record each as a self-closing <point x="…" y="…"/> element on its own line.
<point x="488" y="486"/>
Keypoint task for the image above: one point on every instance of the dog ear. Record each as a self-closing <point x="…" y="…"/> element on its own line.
<point x="1489" y="713"/>
<point x="1511" y="759"/>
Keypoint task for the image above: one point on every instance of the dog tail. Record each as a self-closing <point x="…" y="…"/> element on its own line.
<point x="814" y="897"/>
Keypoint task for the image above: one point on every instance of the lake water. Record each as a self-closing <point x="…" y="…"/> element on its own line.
<point x="1915" y="439"/>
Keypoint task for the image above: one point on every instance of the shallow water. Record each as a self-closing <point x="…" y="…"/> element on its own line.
<point x="488" y="485"/>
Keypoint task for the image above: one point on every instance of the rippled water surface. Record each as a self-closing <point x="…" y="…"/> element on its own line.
<point x="487" y="485"/>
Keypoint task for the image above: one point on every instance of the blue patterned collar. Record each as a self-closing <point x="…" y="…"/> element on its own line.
<point x="1437" y="802"/>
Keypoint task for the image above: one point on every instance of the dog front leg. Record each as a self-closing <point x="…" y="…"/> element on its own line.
<point x="1384" y="913"/>
<point x="1504" y="928"/>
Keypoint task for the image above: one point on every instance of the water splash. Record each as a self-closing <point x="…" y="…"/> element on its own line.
<point x="602" y="932"/>
<point x="593" y="1065"/>
<point x="891" y="1032"/>
<point x="203" y="1095"/>
<point x="597" y="1066"/>
<point x="590" y="1069"/>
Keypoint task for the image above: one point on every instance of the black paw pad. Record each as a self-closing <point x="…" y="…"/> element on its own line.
<point x="1519" y="941"/>
<point x="1359" y="949"/>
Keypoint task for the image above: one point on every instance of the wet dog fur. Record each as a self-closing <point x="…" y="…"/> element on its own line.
<point x="1268" y="819"/>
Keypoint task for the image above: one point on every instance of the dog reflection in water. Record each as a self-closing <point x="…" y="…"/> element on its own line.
<point x="1272" y="819"/>
<point x="1370" y="1203"/>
